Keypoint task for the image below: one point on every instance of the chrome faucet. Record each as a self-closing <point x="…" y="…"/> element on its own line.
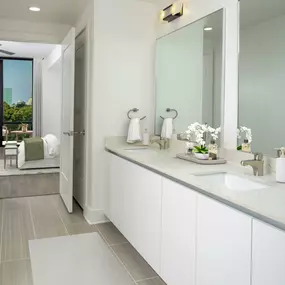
<point x="257" y="164"/>
<point x="163" y="143"/>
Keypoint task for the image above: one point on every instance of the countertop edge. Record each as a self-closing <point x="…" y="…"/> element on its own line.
<point x="226" y="202"/>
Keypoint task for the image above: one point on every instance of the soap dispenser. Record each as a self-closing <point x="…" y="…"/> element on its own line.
<point x="280" y="166"/>
<point x="145" y="137"/>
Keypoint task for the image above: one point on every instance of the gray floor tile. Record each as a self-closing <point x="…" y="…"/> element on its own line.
<point x="43" y="184"/>
<point x="29" y="185"/>
<point x="135" y="264"/>
<point x="111" y="234"/>
<point x="19" y="185"/>
<point x="80" y="228"/>
<point x="16" y="273"/>
<point x="1" y="219"/>
<point x="46" y="219"/>
<point x="17" y="229"/>
<point x="75" y="217"/>
<point x="5" y="190"/>
<point x="152" y="281"/>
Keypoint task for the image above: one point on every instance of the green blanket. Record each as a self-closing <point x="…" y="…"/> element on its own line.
<point x="34" y="148"/>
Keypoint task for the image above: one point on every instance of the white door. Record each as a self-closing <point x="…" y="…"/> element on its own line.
<point x="79" y="120"/>
<point x="67" y="121"/>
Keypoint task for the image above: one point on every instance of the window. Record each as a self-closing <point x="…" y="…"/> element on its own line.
<point x="17" y="97"/>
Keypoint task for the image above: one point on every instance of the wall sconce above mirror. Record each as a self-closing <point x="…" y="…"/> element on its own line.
<point x="189" y="74"/>
<point x="261" y="76"/>
<point x="172" y="12"/>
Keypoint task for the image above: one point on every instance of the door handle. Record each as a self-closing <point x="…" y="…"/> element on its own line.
<point x="82" y="133"/>
<point x="72" y="133"/>
<point x="67" y="133"/>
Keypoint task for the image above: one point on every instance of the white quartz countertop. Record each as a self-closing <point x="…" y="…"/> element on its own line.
<point x="267" y="204"/>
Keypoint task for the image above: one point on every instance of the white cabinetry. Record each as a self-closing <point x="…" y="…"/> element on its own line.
<point x="135" y="207"/>
<point x="142" y="213"/>
<point x="178" y="234"/>
<point x="223" y="244"/>
<point x="268" y="255"/>
<point x="117" y="184"/>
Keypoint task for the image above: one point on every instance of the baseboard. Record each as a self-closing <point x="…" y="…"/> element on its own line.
<point x="94" y="216"/>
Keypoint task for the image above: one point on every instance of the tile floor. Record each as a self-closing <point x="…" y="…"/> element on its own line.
<point x="24" y="219"/>
<point x="13" y="186"/>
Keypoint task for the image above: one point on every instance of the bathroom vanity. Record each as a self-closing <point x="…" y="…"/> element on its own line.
<point x="209" y="224"/>
<point x="197" y="224"/>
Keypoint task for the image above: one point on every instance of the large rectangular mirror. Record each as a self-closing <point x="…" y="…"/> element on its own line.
<point x="262" y="75"/>
<point x="189" y="64"/>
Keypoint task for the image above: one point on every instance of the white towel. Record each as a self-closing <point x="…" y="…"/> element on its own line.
<point x="167" y="128"/>
<point x="134" y="133"/>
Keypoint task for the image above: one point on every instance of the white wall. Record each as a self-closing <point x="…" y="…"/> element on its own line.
<point x="262" y="84"/>
<point x="122" y="78"/>
<point x="51" y="94"/>
<point x="15" y="30"/>
<point x="179" y="76"/>
<point x="196" y="9"/>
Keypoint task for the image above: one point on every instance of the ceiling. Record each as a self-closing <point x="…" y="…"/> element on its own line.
<point x="26" y="50"/>
<point x="253" y="12"/>
<point x="54" y="11"/>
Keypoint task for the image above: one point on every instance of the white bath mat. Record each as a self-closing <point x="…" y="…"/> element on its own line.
<point x="75" y="260"/>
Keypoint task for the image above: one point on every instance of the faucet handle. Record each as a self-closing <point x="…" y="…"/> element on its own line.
<point x="258" y="156"/>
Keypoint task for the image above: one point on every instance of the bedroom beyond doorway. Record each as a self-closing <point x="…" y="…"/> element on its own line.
<point x="30" y="83"/>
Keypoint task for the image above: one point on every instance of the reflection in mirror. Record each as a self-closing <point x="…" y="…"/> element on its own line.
<point x="262" y="75"/>
<point x="189" y="74"/>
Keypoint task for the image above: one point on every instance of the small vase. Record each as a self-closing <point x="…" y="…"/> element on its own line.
<point x="202" y="156"/>
<point x="213" y="150"/>
<point x="246" y="146"/>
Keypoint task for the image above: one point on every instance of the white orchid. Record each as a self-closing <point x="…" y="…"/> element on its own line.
<point x="214" y="132"/>
<point x="196" y="132"/>
<point x="247" y="131"/>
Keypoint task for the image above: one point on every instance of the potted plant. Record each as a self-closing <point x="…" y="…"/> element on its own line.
<point x="213" y="146"/>
<point x="196" y="133"/>
<point x="246" y="145"/>
<point x="201" y="152"/>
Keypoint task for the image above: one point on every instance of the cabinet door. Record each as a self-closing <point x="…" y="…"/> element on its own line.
<point x="223" y="244"/>
<point x="268" y="255"/>
<point x="142" y="211"/>
<point x="117" y="184"/>
<point x="178" y="234"/>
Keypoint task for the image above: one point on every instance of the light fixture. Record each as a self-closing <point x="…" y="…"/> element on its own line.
<point x="208" y="29"/>
<point x="34" y="9"/>
<point x="172" y="12"/>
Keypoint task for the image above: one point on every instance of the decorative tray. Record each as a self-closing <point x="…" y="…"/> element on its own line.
<point x="192" y="158"/>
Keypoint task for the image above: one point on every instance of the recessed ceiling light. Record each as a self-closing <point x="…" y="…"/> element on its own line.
<point x="35" y="9"/>
<point x="208" y="29"/>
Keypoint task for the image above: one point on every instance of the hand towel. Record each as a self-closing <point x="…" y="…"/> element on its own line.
<point x="167" y="128"/>
<point x="134" y="133"/>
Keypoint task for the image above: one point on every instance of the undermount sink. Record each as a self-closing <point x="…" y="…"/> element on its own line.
<point x="231" y="181"/>
<point x="139" y="149"/>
